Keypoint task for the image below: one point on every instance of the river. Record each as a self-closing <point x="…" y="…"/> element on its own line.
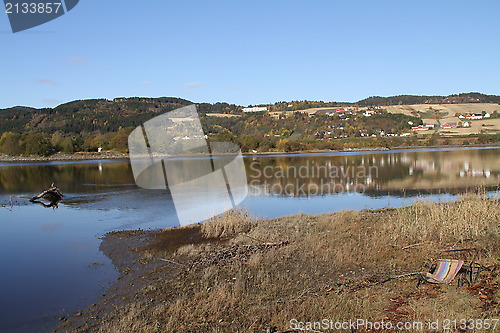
<point x="50" y="261"/>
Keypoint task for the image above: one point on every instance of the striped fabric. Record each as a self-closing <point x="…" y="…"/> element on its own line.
<point x="445" y="272"/>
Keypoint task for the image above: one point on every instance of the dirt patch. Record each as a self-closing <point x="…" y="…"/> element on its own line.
<point x="172" y="239"/>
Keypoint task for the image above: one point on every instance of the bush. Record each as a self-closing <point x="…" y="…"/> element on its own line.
<point x="38" y="144"/>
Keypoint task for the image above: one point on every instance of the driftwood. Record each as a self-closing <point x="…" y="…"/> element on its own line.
<point x="53" y="195"/>
<point x="269" y="244"/>
<point x="269" y="329"/>
<point x="173" y="262"/>
<point x="412" y="245"/>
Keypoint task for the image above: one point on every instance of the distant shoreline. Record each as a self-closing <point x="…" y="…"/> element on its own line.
<point x="65" y="157"/>
<point x="369" y="149"/>
<point x="124" y="156"/>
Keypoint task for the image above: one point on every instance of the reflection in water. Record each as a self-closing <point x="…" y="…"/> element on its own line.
<point x="375" y="174"/>
<point x="291" y="175"/>
<point x="51" y="204"/>
<point x="70" y="177"/>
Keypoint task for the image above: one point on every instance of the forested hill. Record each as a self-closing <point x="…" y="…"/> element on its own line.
<point x="97" y="115"/>
<point x="87" y="125"/>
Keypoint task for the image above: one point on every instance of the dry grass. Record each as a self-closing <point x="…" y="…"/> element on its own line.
<point x="470" y="218"/>
<point x="228" y="224"/>
<point x="451" y="304"/>
<point x="332" y="267"/>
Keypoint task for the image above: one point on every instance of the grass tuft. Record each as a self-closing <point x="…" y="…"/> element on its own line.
<point x="228" y="224"/>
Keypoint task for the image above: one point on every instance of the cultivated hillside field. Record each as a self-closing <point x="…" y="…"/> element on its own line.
<point x="223" y="115"/>
<point x="487" y="126"/>
<point x="431" y="113"/>
<point x="446" y="114"/>
<point x="450" y="109"/>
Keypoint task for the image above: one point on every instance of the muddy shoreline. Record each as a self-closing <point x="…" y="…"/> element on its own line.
<point x="126" y="250"/>
<point x="65" y="157"/>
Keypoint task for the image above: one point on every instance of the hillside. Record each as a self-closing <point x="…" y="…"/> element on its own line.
<point x="446" y="110"/>
<point x="448" y="113"/>
<point x="97" y="115"/>
<point x="100" y="116"/>
<point x="87" y="125"/>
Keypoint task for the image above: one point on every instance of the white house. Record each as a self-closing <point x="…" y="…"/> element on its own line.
<point x="474" y="117"/>
<point x="255" y="109"/>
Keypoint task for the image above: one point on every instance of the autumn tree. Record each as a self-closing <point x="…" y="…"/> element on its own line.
<point x="10" y="143"/>
<point x="37" y="144"/>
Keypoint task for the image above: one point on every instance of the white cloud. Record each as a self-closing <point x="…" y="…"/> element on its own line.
<point x="51" y="101"/>
<point x="194" y="84"/>
<point x="46" y="81"/>
<point x="76" y="60"/>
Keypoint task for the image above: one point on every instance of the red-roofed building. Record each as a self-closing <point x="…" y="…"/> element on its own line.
<point x="450" y="125"/>
<point x="419" y="128"/>
<point x="474" y="117"/>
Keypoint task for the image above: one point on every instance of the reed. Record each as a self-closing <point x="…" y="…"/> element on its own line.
<point x="228" y="224"/>
<point x="472" y="216"/>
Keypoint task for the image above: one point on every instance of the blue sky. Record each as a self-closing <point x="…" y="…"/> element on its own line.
<point x="251" y="52"/>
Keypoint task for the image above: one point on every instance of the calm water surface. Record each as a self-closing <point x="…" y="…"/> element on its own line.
<point x="50" y="262"/>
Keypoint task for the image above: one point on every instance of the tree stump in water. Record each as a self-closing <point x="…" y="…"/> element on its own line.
<point x="53" y="195"/>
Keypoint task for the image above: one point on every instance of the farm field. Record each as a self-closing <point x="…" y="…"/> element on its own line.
<point x="450" y="109"/>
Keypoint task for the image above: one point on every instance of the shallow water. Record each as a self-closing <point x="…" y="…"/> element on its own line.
<point x="51" y="264"/>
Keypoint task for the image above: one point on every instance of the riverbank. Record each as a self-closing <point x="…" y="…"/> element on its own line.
<point x="235" y="274"/>
<point x="110" y="155"/>
<point x="66" y="157"/>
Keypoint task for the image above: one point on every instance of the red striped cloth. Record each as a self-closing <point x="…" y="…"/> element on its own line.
<point x="445" y="272"/>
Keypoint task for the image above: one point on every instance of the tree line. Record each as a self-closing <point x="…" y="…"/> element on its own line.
<point x="86" y="125"/>
<point x="45" y="144"/>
